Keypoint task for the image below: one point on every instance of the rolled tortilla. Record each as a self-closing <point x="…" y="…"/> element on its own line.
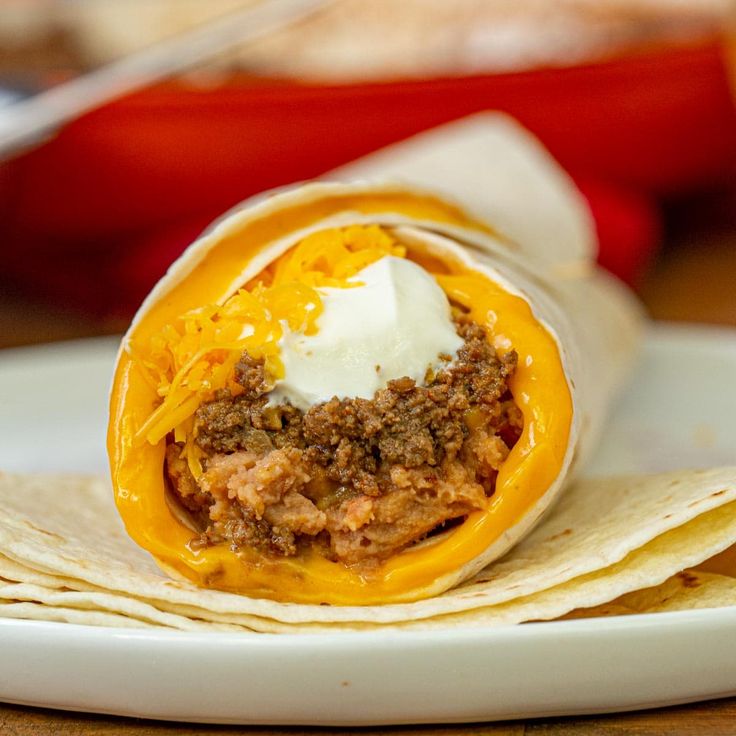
<point x="574" y="338"/>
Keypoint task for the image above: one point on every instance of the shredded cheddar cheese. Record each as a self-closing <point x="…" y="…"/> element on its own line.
<point x="189" y="361"/>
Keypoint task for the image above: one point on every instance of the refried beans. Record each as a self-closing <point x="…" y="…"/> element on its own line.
<point x="360" y="478"/>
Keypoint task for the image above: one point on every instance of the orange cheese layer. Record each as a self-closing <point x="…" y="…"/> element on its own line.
<point x="539" y="387"/>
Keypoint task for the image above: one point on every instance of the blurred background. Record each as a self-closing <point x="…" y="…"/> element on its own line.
<point x="126" y="126"/>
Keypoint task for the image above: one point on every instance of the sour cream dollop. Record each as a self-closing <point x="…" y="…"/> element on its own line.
<point x="395" y="322"/>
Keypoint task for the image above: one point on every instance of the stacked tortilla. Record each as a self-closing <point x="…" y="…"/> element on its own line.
<point x="619" y="544"/>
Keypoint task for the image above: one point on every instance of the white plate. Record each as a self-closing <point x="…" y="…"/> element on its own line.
<point x="680" y="411"/>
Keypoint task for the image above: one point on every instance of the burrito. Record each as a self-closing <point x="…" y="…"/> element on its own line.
<point x="355" y="394"/>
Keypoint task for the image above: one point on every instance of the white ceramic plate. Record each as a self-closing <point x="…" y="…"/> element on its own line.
<point x="679" y="412"/>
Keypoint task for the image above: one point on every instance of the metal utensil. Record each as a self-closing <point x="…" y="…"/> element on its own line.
<point x="30" y="121"/>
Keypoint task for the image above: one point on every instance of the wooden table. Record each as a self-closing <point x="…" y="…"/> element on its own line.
<point x="714" y="718"/>
<point x="694" y="280"/>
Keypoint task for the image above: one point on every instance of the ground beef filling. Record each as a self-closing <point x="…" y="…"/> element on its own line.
<point x="361" y="478"/>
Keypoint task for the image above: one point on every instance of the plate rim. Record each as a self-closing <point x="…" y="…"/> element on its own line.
<point x="724" y="615"/>
<point x="654" y="329"/>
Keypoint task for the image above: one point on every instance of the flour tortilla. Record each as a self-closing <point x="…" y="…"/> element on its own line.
<point x="100" y="601"/>
<point x="688" y="590"/>
<point x="685" y="591"/>
<point x="40" y="612"/>
<point x="606" y="538"/>
<point x="497" y="169"/>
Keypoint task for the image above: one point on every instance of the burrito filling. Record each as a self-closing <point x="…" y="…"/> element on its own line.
<point x="362" y="413"/>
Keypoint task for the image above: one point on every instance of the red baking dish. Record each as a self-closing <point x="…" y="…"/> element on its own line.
<point x="95" y="215"/>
